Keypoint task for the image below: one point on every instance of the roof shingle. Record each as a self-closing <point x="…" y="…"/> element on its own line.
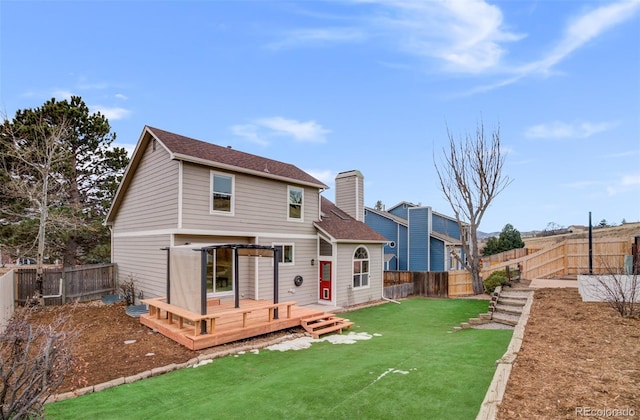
<point x="184" y="147"/>
<point x="343" y="227"/>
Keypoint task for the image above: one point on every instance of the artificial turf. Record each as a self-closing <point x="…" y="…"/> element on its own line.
<point x="412" y="367"/>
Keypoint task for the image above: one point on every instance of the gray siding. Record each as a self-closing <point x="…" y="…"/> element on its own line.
<point x="346" y="295"/>
<point x="304" y="251"/>
<point x="261" y="205"/>
<point x="350" y="194"/>
<point x="141" y="258"/>
<point x="151" y="199"/>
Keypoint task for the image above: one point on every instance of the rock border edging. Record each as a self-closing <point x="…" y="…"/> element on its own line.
<point x="162" y="370"/>
<point x="495" y="393"/>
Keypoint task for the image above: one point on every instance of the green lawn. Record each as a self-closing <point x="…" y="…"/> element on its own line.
<point x="412" y="367"/>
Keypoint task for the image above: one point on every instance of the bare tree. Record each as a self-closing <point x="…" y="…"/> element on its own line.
<point x="619" y="290"/>
<point x="471" y="177"/>
<point x="34" y="360"/>
<point x="32" y="157"/>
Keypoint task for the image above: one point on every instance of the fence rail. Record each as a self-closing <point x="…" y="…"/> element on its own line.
<point x="62" y="284"/>
<point x="570" y="257"/>
<point x="442" y="284"/>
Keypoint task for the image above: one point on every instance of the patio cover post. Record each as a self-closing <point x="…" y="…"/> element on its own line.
<point x="203" y="287"/>
<point x="275" y="281"/>
<point x="168" y="273"/>
<point x="236" y="276"/>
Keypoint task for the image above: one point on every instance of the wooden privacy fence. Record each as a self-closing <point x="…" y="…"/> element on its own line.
<point x="400" y="284"/>
<point x="570" y="257"/>
<point x="62" y="284"/>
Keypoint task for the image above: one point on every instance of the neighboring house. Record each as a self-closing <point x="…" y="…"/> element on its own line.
<point x="420" y="239"/>
<point x="179" y="191"/>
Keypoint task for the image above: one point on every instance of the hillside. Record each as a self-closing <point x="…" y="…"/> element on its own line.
<point x="627" y="232"/>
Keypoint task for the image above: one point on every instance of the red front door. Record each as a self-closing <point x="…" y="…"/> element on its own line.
<point x="325" y="280"/>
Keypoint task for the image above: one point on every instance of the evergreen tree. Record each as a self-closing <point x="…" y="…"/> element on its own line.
<point x="509" y="239"/>
<point x="492" y="247"/>
<point x="85" y="181"/>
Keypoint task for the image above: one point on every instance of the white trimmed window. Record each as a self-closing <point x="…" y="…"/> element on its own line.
<point x="222" y="200"/>
<point x="360" y="268"/>
<point x="296" y="203"/>
<point x="285" y="253"/>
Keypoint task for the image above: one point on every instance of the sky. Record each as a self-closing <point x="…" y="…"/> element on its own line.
<point x="377" y="86"/>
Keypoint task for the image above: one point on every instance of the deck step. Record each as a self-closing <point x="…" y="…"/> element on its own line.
<point x="312" y="319"/>
<point x="331" y="328"/>
<point x="324" y="324"/>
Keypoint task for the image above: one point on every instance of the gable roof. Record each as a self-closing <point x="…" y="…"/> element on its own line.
<point x="386" y="214"/>
<point x="343" y="228"/>
<point x="197" y="151"/>
<point x="211" y="155"/>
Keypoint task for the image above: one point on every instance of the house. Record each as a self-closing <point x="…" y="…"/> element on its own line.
<point x="420" y="239"/>
<point x="182" y="194"/>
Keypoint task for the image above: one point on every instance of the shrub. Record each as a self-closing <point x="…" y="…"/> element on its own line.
<point x="497" y="278"/>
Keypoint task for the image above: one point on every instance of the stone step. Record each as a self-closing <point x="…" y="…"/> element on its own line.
<point x="486" y="317"/>
<point x="506" y="319"/>
<point x="465" y="325"/>
<point x="476" y="321"/>
<point x="457" y="328"/>
<point x="508" y="309"/>
<point x="511" y="302"/>
<point x="515" y="294"/>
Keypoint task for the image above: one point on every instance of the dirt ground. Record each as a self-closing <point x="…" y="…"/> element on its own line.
<point x="577" y="360"/>
<point x="111" y="344"/>
<point x="574" y="356"/>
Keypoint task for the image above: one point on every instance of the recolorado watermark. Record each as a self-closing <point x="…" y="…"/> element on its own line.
<point x="605" y="412"/>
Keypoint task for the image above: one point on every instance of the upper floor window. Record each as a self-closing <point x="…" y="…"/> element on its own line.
<point x="361" y="268"/>
<point x="222" y="193"/>
<point x="285" y="253"/>
<point x="296" y="203"/>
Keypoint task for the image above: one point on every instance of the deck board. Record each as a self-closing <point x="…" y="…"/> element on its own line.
<point x="228" y="327"/>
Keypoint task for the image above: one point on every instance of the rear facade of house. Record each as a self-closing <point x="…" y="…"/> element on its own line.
<point x="183" y="193"/>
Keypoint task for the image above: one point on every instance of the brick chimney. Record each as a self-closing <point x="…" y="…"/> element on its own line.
<point x="350" y="193"/>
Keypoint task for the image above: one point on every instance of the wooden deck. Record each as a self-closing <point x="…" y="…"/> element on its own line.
<point x="223" y="322"/>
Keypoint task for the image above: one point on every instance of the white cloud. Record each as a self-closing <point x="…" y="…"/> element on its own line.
<point x="261" y="130"/>
<point x="114" y="113"/>
<point x="584" y="28"/>
<point x="250" y="133"/>
<point x="62" y="94"/>
<point x="577" y="33"/>
<point x="467" y="35"/>
<point x="626" y="183"/>
<point x="121" y="96"/>
<point x="318" y="36"/>
<point x="325" y="175"/>
<point x="563" y="130"/>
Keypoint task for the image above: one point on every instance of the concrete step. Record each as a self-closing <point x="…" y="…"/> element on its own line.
<point x="465" y="325"/>
<point x="486" y="317"/>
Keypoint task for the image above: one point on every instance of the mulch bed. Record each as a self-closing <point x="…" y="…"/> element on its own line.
<point x="577" y="359"/>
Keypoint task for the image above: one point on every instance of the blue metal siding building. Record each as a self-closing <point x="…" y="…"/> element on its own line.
<point x="421" y="240"/>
